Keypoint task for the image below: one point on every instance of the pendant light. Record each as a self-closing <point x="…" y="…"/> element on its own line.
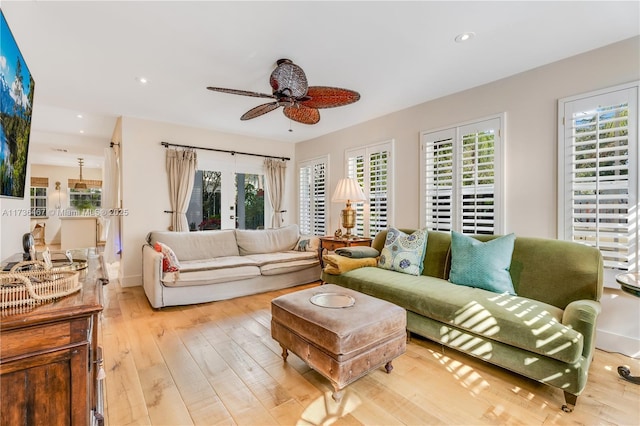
<point x="80" y="184"/>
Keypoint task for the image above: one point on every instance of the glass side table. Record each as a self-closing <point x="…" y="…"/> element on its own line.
<point x="630" y="283"/>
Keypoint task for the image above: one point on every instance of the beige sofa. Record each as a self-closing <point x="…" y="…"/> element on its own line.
<point x="218" y="265"/>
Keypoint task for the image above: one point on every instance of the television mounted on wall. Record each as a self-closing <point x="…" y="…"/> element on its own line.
<point x="16" y="108"/>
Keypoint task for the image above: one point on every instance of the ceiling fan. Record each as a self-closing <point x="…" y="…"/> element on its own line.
<point x="291" y="91"/>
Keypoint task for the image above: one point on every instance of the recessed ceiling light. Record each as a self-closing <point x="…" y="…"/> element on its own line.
<point x="142" y="80"/>
<point x="460" y="38"/>
<point x="81" y="131"/>
<point x="79" y="115"/>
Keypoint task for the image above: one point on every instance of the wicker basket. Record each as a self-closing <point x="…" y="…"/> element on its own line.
<point x="21" y="287"/>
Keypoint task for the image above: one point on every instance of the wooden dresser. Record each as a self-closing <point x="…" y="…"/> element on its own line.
<point x="49" y="361"/>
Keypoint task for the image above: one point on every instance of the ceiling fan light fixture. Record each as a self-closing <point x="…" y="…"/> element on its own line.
<point x="80" y="184"/>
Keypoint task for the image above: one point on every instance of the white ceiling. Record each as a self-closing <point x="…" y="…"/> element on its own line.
<point x="86" y="57"/>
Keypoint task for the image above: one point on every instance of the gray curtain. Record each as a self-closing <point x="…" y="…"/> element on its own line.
<point x="275" y="175"/>
<point x="181" y="169"/>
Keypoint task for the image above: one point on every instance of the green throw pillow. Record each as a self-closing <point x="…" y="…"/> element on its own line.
<point x="480" y="264"/>
<point x="404" y="253"/>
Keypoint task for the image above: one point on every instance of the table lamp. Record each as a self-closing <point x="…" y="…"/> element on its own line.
<point x="348" y="190"/>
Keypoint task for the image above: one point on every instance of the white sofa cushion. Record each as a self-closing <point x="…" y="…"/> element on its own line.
<point x="283" y="256"/>
<point x="209" y="276"/>
<point x="217" y="263"/>
<point x="198" y="245"/>
<point x="290" y="266"/>
<point x="251" y="241"/>
<point x="284" y="262"/>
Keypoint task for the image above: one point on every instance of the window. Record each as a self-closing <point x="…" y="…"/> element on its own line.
<point x="371" y="166"/>
<point x="461" y="185"/>
<point x="312" y="196"/>
<point x="249" y="201"/>
<point x="215" y="192"/>
<point x="204" y="212"/>
<point x="85" y="199"/>
<point x="38" y="196"/>
<point x="598" y="173"/>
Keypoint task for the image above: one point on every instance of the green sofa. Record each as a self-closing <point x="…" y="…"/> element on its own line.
<point x="546" y="332"/>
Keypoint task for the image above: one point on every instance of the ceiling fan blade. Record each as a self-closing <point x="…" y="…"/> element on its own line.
<point x="259" y="110"/>
<point x="241" y="92"/>
<point x="288" y="80"/>
<point x="302" y="114"/>
<point x="329" y="97"/>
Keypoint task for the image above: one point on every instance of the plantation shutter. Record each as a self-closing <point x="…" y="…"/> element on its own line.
<point x="438" y="160"/>
<point x="600" y="175"/>
<point x="312" y="197"/>
<point x="304" y="200"/>
<point x="371" y="166"/>
<point x="378" y="190"/>
<point x="476" y="185"/>
<point x="319" y="200"/>
<point x="356" y="169"/>
<point x="461" y="188"/>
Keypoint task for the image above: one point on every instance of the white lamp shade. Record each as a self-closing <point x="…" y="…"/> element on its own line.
<point x="348" y="189"/>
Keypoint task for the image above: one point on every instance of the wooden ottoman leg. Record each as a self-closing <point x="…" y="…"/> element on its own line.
<point x="388" y="366"/>
<point x="285" y="353"/>
<point x="337" y="394"/>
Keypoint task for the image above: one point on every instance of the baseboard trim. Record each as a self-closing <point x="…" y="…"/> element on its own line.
<point x="131" y="281"/>
<point x="612" y="342"/>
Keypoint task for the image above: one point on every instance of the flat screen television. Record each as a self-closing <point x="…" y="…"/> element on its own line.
<point x="16" y="107"/>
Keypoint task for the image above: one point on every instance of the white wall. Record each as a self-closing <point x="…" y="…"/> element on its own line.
<point x="145" y="184"/>
<point x="530" y="102"/>
<point x="14" y="223"/>
<point x="58" y="201"/>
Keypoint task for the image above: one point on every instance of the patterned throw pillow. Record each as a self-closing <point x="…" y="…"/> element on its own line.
<point x="404" y="253"/>
<point x="307" y="243"/>
<point x="169" y="259"/>
<point x="480" y="264"/>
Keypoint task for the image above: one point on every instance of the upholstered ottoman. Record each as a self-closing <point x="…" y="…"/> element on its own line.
<point x="340" y="333"/>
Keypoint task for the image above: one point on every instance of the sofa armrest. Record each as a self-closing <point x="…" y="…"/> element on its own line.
<point x="151" y="275"/>
<point x="581" y="315"/>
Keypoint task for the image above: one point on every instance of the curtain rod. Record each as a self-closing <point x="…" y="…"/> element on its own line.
<point x="167" y="145"/>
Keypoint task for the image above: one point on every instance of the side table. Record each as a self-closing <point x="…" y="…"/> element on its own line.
<point x="630" y="283"/>
<point x="330" y="243"/>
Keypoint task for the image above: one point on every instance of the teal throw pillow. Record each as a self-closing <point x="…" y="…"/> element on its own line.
<point x="404" y="253"/>
<point x="480" y="264"/>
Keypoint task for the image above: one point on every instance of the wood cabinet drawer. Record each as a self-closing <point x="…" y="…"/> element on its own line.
<point x="360" y="243"/>
<point x="332" y="245"/>
<point x="22" y="342"/>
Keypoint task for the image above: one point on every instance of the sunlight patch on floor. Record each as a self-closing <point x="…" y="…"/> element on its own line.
<point x="464" y="374"/>
<point x="324" y="411"/>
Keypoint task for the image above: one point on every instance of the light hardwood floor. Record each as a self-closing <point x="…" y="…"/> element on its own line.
<point x="215" y="363"/>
